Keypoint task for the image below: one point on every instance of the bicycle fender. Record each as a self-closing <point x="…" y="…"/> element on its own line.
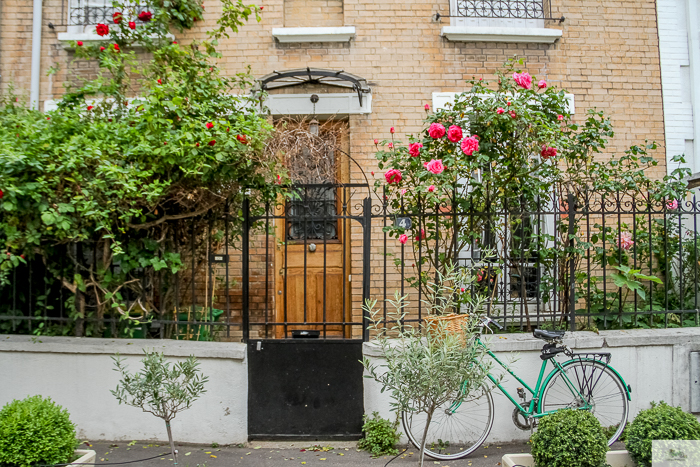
<point x="628" y="388"/>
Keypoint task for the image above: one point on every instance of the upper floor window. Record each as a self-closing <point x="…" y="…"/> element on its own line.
<point x="500" y="13"/>
<point x="83" y="13"/>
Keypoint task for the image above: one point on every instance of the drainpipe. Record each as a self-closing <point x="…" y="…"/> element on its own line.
<point x="36" y="55"/>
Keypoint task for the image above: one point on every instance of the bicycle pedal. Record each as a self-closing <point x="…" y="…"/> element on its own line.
<point x="521" y="393"/>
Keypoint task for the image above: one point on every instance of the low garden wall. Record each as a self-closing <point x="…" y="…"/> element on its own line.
<point x="655" y="363"/>
<point x="78" y="374"/>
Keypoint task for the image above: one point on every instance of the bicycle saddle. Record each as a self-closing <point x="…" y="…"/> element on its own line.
<point x="548" y="335"/>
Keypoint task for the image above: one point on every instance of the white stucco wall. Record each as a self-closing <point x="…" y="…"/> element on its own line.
<point x="78" y="374"/>
<point x="654" y="362"/>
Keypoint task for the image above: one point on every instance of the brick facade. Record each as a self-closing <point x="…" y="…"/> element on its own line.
<point x="608" y="57"/>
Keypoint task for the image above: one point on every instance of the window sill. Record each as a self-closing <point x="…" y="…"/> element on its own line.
<point x="495" y="34"/>
<point x="67" y="38"/>
<point x="338" y="34"/>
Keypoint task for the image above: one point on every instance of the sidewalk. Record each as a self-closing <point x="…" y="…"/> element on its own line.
<point x="287" y="453"/>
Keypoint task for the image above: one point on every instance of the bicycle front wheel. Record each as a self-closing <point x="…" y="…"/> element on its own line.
<point x="602" y="388"/>
<point x="457" y="428"/>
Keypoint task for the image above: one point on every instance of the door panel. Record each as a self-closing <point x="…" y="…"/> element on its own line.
<point x="303" y="279"/>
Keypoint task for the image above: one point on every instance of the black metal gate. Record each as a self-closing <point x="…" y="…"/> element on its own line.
<point x="304" y="326"/>
<point x="305" y="388"/>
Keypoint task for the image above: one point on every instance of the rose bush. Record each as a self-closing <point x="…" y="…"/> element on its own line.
<point x="129" y="178"/>
<point x="510" y="148"/>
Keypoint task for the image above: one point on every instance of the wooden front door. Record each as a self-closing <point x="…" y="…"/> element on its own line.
<point x="312" y="290"/>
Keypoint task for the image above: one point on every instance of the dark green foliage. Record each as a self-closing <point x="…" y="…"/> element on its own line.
<point x="569" y="438"/>
<point x="35" y="431"/>
<point x="659" y="422"/>
<point x="380" y="436"/>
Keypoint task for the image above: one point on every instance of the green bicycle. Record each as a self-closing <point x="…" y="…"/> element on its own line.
<point x="585" y="381"/>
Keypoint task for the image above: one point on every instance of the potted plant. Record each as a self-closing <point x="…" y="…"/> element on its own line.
<point x="569" y="438"/>
<point x="34" y="431"/>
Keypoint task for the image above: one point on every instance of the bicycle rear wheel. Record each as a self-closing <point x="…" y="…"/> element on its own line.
<point x="457" y="428"/>
<point x="602" y="388"/>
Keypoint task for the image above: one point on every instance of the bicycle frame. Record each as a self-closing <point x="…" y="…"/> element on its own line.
<point x="533" y="409"/>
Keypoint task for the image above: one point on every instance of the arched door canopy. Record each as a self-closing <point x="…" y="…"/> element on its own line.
<point x="280" y="79"/>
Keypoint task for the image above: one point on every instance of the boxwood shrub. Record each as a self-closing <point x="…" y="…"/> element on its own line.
<point x="35" y="431"/>
<point x="569" y="438"/>
<point x="659" y="422"/>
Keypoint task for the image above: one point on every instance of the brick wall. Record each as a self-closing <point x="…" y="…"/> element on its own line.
<point x="608" y="57"/>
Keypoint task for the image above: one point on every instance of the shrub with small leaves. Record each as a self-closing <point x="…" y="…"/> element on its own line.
<point x="659" y="422"/>
<point x="380" y="436"/>
<point x="35" y="431"/>
<point x="569" y="438"/>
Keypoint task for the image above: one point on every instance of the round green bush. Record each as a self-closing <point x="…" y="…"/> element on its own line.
<point x="659" y="422"/>
<point x="35" y="431"/>
<point x="569" y="438"/>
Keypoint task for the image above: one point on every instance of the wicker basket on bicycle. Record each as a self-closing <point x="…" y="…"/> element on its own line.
<point x="452" y="323"/>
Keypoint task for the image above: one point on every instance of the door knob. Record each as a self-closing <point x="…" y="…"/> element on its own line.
<point x="312" y="247"/>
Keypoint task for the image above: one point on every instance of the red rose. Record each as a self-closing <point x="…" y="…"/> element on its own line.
<point x="242" y="138"/>
<point x="159" y="81"/>
<point x="228" y="129"/>
<point x="21" y="256"/>
<point x="548" y="151"/>
<point x="210" y="125"/>
<point x="261" y="8"/>
<point x="117" y="17"/>
<point x="48" y="118"/>
<point x="80" y="43"/>
<point x="102" y="29"/>
<point x="212" y="142"/>
<point x="132" y="25"/>
<point x="145" y="16"/>
<point x="89" y="107"/>
<point x="102" y="49"/>
<point x="2" y="193"/>
<point x="175" y="42"/>
<point x="196" y="144"/>
<point x="116" y="47"/>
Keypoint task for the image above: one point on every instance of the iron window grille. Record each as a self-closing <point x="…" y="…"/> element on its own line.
<point x="502" y="9"/>
<point x="89" y="12"/>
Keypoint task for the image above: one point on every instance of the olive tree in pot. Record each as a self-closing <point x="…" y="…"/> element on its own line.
<point x="429" y="366"/>
<point x="159" y="388"/>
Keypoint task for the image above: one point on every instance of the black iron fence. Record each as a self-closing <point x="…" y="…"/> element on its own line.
<point x="520" y="9"/>
<point x="304" y="269"/>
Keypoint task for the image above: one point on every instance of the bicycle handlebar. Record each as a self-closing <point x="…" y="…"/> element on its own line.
<point x="486" y="321"/>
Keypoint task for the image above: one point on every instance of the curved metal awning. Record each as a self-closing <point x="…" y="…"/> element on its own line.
<point x="280" y="79"/>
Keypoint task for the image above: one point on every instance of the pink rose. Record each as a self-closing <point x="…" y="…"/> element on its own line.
<point x="625" y="241"/>
<point x="391" y="130"/>
<point x="427" y="107"/>
<point x="672" y="205"/>
<point x="391" y="145"/>
<point x="548" y="152"/>
<point x="414" y="149"/>
<point x="376" y="141"/>
<point x="560" y="117"/>
<point x="500" y="110"/>
<point x="403" y="191"/>
<point x="512" y="114"/>
<point x="420" y="236"/>
<point x="435" y="166"/>
<point x="454" y="133"/>
<point x="524" y="80"/>
<point x="470" y="145"/>
<point x="403" y="238"/>
<point x="508" y="103"/>
<point x="431" y="188"/>
<point x="542" y="84"/>
<point x="393" y="176"/>
<point x="436" y="130"/>
<point x="80" y="43"/>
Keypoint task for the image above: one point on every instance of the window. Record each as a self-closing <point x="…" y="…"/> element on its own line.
<point x="82" y="13"/>
<point x="500" y="13"/>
